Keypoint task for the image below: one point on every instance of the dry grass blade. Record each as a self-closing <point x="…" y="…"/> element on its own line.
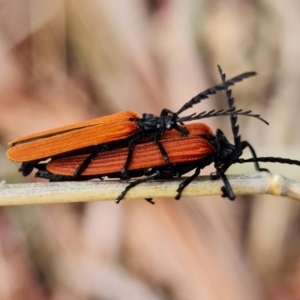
<point x="63" y="192"/>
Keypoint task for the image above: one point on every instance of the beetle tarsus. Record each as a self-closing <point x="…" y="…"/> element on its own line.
<point x="150" y="200"/>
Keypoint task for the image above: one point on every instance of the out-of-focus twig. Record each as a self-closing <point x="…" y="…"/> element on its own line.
<point x="62" y="192"/>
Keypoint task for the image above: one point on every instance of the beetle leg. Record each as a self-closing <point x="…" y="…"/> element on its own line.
<point x="150" y="200"/>
<point x="186" y="182"/>
<point x="227" y="191"/>
<point x="131" y="145"/>
<point x="135" y="183"/>
<point x="182" y="130"/>
<point x="27" y="167"/>
<point x="79" y="170"/>
<point x="244" y="145"/>
<point x="165" y="112"/>
<point x="161" y="149"/>
<point x="163" y="152"/>
<point x="43" y="173"/>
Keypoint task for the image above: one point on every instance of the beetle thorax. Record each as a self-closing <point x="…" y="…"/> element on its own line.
<point x="153" y="125"/>
<point x="226" y="153"/>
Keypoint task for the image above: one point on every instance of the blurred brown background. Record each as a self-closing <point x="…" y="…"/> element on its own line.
<point x="67" y="61"/>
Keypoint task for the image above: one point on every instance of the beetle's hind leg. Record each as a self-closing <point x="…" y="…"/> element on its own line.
<point x="82" y="167"/>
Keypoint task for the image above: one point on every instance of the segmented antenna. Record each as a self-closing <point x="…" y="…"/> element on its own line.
<point x="271" y="160"/>
<point x="221" y="112"/>
<point x="213" y="90"/>
<point x="233" y="118"/>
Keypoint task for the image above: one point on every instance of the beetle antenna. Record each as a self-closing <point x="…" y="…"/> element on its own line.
<point x="213" y="90"/>
<point x="217" y="113"/>
<point x="233" y="118"/>
<point x="270" y="160"/>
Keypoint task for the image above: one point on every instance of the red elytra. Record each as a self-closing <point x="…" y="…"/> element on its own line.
<point x="64" y="139"/>
<point x="145" y="155"/>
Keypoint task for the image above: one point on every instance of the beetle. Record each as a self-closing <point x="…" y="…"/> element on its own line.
<point x="214" y="148"/>
<point x="197" y="150"/>
<point x="194" y="152"/>
<point x="109" y="132"/>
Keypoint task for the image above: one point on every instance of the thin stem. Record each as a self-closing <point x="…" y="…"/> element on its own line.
<point x="63" y="192"/>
